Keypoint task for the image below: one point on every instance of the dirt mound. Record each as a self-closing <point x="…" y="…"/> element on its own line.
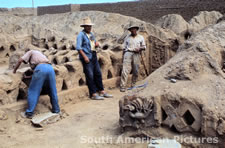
<point x="204" y="19"/>
<point x="187" y="92"/>
<point x="185" y="30"/>
<point x="174" y="22"/>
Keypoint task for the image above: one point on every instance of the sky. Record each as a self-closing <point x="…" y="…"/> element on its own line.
<point x="37" y="3"/>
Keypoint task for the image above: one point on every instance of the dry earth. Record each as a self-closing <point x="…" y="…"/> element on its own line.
<point x="86" y="121"/>
<point x="197" y="68"/>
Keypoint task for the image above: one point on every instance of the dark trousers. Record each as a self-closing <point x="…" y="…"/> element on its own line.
<point x="93" y="75"/>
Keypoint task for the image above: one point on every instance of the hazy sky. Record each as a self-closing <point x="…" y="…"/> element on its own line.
<point x="28" y="3"/>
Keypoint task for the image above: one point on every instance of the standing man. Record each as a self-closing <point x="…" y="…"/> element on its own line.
<point x="86" y="45"/>
<point x="43" y="74"/>
<point x="133" y="45"/>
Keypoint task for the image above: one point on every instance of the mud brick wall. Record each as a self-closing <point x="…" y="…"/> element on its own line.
<point x="19" y="11"/>
<point x="53" y="9"/>
<point x="150" y="11"/>
<point x="75" y="7"/>
<point x="146" y="10"/>
<point x="4" y="10"/>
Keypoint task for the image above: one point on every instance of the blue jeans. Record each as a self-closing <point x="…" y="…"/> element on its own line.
<point x="93" y="75"/>
<point x="43" y="74"/>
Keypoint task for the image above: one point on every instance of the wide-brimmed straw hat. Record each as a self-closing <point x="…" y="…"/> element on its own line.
<point x="86" y="22"/>
<point x="133" y="25"/>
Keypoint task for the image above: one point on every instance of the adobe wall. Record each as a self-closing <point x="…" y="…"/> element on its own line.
<point x="19" y="11"/>
<point x="53" y="9"/>
<point x="150" y="11"/>
<point x="75" y="7"/>
<point x="146" y="10"/>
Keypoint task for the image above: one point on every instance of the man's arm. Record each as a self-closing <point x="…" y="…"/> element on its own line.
<point x="86" y="59"/>
<point x="79" y="48"/>
<point x="142" y="48"/>
<point x="125" y="44"/>
<point x="18" y="65"/>
<point x="96" y="43"/>
<point x="142" y="45"/>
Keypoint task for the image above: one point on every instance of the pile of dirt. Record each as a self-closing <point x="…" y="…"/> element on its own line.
<point x="187" y="93"/>
<point x="185" y="29"/>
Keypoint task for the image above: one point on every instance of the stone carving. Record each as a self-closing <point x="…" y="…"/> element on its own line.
<point x="135" y="112"/>
<point x="182" y="115"/>
<point x="158" y="53"/>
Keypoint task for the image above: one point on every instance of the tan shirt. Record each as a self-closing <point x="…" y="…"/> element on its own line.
<point x="131" y="42"/>
<point x="91" y="41"/>
<point x="34" y="57"/>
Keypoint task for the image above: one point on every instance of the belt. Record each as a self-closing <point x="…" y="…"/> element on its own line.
<point x="131" y="51"/>
<point x="44" y="63"/>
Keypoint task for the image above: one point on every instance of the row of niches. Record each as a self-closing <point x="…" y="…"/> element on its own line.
<point x="68" y="76"/>
<point x="6" y="51"/>
<point x="53" y="43"/>
<point x="68" y="67"/>
<point x="107" y="60"/>
<point x="65" y="44"/>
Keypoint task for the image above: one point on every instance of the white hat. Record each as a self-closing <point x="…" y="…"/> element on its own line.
<point x="133" y="25"/>
<point x="86" y="22"/>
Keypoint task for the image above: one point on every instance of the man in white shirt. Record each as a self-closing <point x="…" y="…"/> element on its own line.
<point x="44" y="74"/>
<point x="133" y="45"/>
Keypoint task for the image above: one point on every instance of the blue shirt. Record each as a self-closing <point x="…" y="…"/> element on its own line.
<point x="83" y="43"/>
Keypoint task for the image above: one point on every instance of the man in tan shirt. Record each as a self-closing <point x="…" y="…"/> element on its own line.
<point x="43" y="74"/>
<point x="133" y="44"/>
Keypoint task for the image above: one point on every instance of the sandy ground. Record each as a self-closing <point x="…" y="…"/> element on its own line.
<point x="90" y="124"/>
<point x="3" y="68"/>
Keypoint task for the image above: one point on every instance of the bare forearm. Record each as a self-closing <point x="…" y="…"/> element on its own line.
<point x="82" y="54"/>
<point x="86" y="59"/>
<point x="17" y="65"/>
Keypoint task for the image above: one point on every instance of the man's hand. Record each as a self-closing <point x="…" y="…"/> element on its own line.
<point x="142" y="48"/>
<point x="97" y="44"/>
<point x="86" y="59"/>
<point x="14" y="71"/>
<point x="17" y="65"/>
<point x="137" y="49"/>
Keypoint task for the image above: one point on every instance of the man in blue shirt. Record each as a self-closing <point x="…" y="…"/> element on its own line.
<point x="86" y="45"/>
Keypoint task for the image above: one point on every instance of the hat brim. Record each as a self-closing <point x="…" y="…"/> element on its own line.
<point x="133" y="27"/>
<point x="82" y="25"/>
